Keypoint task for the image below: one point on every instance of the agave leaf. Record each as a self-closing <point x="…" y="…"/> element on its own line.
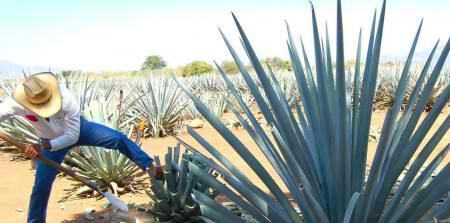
<point x="169" y="174"/>
<point x="243" y="152"/>
<point x="389" y="123"/>
<point x="424" y="201"/>
<point x="442" y="212"/>
<point x="261" y="139"/>
<point x="415" y="167"/>
<point x="182" y="175"/>
<point x="402" y="157"/>
<point x="237" y="180"/>
<point x="342" y="131"/>
<point x="283" y="120"/>
<point x="250" y="83"/>
<point x="423" y="178"/>
<point x="228" y="192"/>
<point x="360" y="152"/>
<point x="214" y="210"/>
<point x="351" y="207"/>
<point x="404" y="119"/>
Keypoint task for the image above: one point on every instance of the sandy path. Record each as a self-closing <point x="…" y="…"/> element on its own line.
<point x="16" y="179"/>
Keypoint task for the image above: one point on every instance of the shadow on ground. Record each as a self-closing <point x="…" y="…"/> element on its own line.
<point x="108" y="215"/>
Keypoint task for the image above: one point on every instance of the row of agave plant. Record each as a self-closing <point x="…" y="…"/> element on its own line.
<point x="159" y="102"/>
<point x="162" y="107"/>
<point x="319" y="119"/>
<point x="389" y="78"/>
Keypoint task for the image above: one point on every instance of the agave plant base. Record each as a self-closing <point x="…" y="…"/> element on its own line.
<point x="171" y="198"/>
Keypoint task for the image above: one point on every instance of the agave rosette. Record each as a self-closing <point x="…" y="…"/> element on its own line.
<point x="319" y="150"/>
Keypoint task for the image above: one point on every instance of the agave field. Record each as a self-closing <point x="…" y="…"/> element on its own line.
<point x="317" y="122"/>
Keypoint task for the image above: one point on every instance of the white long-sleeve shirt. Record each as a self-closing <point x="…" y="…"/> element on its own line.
<point x="62" y="129"/>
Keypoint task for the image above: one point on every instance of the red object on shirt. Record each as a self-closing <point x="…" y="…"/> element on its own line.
<point x="31" y="118"/>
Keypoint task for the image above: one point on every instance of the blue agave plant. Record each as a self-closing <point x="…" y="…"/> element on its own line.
<point x="319" y="149"/>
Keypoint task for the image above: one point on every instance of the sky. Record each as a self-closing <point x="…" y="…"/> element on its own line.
<point x="117" y="35"/>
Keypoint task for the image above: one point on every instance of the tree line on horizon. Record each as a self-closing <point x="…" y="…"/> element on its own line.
<point x="157" y="65"/>
<point x="198" y="67"/>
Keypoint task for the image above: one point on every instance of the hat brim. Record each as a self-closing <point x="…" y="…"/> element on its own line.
<point x="47" y="109"/>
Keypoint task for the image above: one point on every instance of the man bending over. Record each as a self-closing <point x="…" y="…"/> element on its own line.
<point x="55" y="113"/>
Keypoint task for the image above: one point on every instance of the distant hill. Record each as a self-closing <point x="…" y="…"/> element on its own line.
<point x="13" y="70"/>
<point x="420" y="56"/>
<point x="423" y="55"/>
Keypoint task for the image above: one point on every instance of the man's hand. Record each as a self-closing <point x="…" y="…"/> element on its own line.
<point x="156" y="172"/>
<point x="32" y="150"/>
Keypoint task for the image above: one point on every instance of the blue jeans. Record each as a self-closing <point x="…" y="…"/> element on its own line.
<point x="91" y="134"/>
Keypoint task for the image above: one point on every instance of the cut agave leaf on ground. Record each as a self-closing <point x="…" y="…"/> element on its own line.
<point x="116" y="202"/>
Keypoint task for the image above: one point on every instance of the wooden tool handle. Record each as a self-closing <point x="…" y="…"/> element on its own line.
<point x="50" y="163"/>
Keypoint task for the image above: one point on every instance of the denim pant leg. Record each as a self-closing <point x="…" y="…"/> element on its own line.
<point x="43" y="182"/>
<point x="94" y="134"/>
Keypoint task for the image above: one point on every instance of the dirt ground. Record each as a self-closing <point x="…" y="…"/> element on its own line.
<point x="16" y="178"/>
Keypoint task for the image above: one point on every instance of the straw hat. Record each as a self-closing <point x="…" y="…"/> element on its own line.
<point x="40" y="93"/>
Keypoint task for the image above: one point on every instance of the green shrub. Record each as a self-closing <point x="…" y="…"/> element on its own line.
<point x="196" y="68"/>
<point x="276" y="63"/>
<point x="230" y="67"/>
<point x="153" y="62"/>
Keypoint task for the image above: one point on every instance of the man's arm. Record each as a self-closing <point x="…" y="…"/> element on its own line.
<point x="8" y="108"/>
<point x="72" y="115"/>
